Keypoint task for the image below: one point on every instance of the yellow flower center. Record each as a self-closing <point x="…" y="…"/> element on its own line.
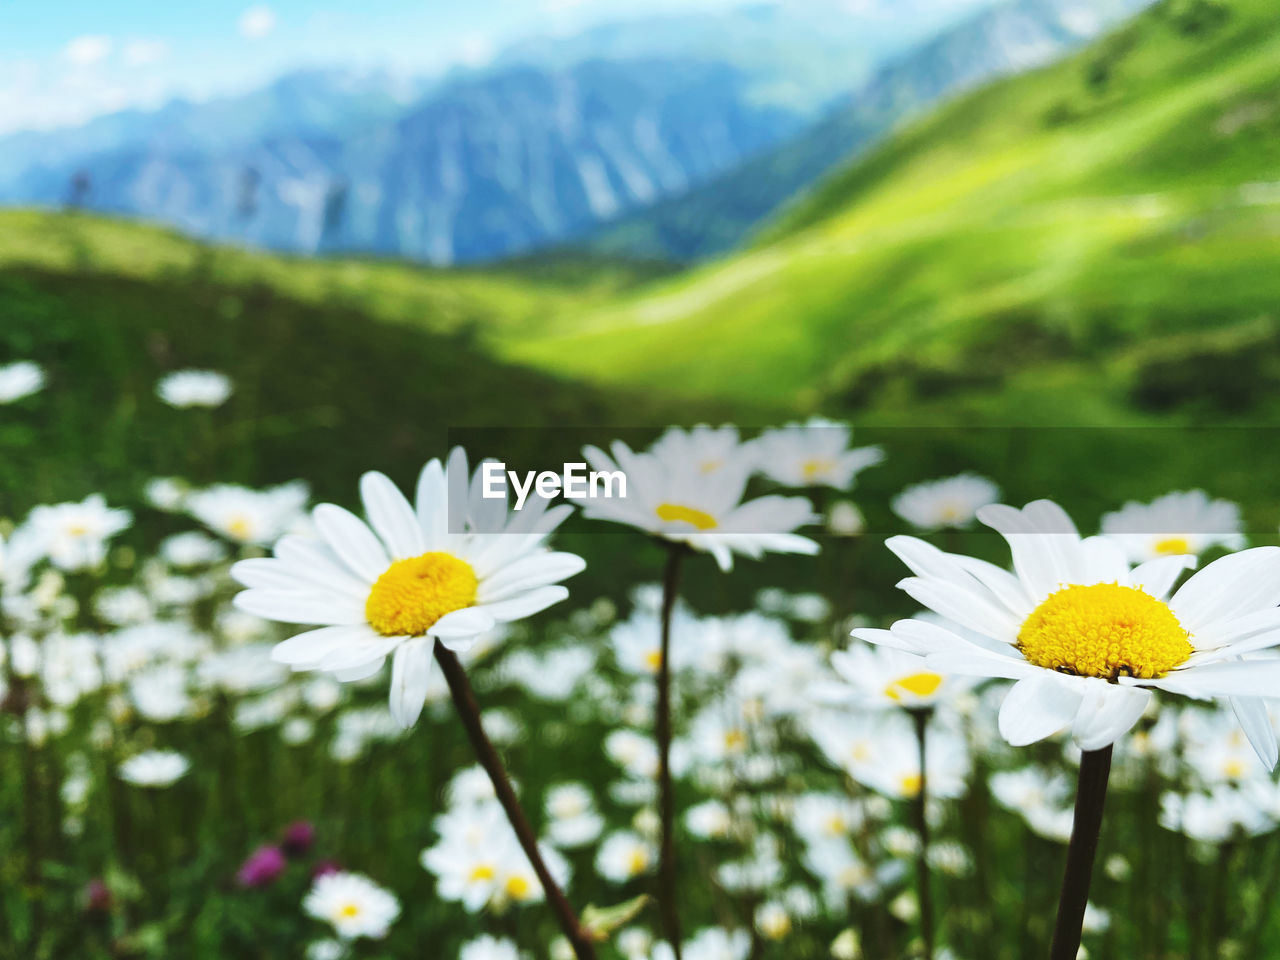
<point x="1104" y="630"/>
<point x="776" y="927"/>
<point x="916" y="684"/>
<point x="518" y="888"/>
<point x="816" y="467"/>
<point x="638" y="862"/>
<point x="909" y="784"/>
<point x="481" y="873"/>
<point x="675" y="512"/>
<point x="1234" y="769"/>
<point x="1173" y="546"/>
<point x="239" y="527"/>
<point x="413" y="594"/>
<point x="653" y="660"/>
<point x="735" y="740"/>
<point x="349" y="910"/>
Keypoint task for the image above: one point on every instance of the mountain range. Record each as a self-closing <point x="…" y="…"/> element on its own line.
<point x="1005" y="39"/>
<point x="672" y="138"/>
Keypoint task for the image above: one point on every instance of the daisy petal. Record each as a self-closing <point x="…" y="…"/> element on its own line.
<point x="410" y="679"/>
<point x="461" y="625"/>
<point x="1256" y="723"/>
<point x="1157" y="577"/>
<point x="392" y="518"/>
<point x="1036" y="708"/>
<point x="308" y="649"/>
<point x="1107" y="713"/>
<point x="525" y="605"/>
<point x="351" y="540"/>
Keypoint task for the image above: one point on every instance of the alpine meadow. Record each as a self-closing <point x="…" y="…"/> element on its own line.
<point x="701" y="480"/>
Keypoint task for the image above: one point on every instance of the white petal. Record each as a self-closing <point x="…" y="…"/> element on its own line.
<point x="1107" y="713"/>
<point x="1229" y="587"/>
<point x="431" y="505"/>
<point x="1245" y="678"/>
<point x="462" y="624"/>
<point x="410" y="679"/>
<point x="1036" y="708"/>
<point x="362" y="672"/>
<point x="392" y="518"/>
<point x="1157" y="577"/>
<point x="525" y="604"/>
<point x="969" y="608"/>
<point x="351" y="540"/>
<point x="535" y="571"/>
<point x="308" y="649"/>
<point x="347" y="657"/>
<point x="1256" y="723"/>
<point x="301" y="606"/>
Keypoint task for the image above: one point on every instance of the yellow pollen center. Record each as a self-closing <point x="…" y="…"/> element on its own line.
<point x="349" y="910"/>
<point x="518" y="888"/>
<point x="916" y="684"/>
<point x="1104" y="630"/>
<point x="653" y="660"/>
<point x="1234" y="769"/>
<point x="413" y="594"/>
<point x="239" y="527"/>
<point x="77" y="530"/>
<point x="815" y="467"/>
<point x="735" y="740"/>
<point x="481" y="873"/>
<point x="675" y="512"/>
<point x="638" y="862"/>
<point x="909" y="784"/>
<point x="1173" y="546"/>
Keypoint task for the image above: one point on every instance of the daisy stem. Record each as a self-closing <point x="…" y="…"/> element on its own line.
<point x="924" y="892"/>
<point x="1091" y="795"/>
<point x="464" y="700"/>
<point x="667" y="896"/>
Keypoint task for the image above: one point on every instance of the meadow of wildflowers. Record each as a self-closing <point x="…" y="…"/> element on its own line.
<point x="241" y="723"/>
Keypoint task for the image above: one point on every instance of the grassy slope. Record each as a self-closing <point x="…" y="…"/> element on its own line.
<point x="1090" y="233"/>
<point x="338" y="366"/>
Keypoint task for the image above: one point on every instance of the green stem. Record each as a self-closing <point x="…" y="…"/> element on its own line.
<point x="924" y="891"/>
<point x="668" y="898"/>
<point x="1091" y="795"/>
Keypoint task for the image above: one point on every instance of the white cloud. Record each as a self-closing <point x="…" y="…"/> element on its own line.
<point x="143" y="52"/>
<point x="257" y="22"/>
<point x="87" y="50"/>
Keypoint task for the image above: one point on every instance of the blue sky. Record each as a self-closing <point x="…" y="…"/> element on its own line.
<point x="64" y="61"/>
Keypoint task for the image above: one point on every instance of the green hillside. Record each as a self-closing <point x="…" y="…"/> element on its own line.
<point x="337" y="365"/>
<point x="1094" y="240"/>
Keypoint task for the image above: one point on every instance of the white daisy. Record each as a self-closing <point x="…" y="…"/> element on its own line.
<point x="709" y="449"/>
<point x="18" y="380"/>
<point x="489" y="948"/>
<point x="74" y="535"/>
<point x="625" y="855"/>
<point x="1086" y="637"/>
<point x="1186" y="522"/>
<point x="249" y="516"/>
<point x="813" y="454"/>
<point x="194" y="388"/>
<point x="952" y="502"/>
<point x="352" y="904"/>
<point x="154" y="768"/>
<point x="675" y="499"/>
<point x="888" y="677"/>
<point x="407" y="578"/>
